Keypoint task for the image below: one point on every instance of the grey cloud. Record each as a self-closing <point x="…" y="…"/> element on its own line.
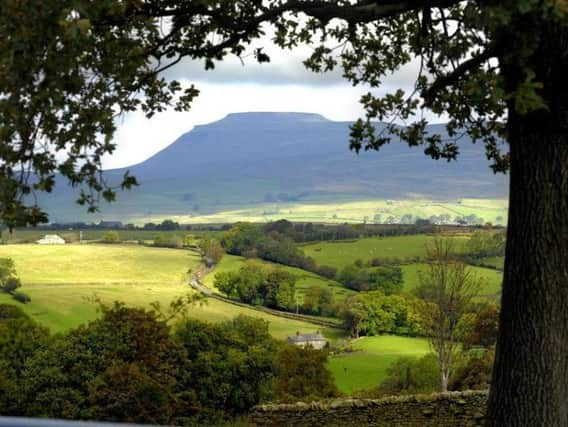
<point x="231" y="70"/>
<point x="285" y="68"/>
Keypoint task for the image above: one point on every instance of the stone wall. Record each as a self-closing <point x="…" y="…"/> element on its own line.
<point x="460" y="409"/>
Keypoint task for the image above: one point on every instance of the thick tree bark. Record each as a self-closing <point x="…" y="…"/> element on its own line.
<point x="530" y="377"/>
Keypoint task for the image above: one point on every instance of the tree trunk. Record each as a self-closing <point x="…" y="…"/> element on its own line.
<point x="443" y="381"/>
<point x="530" y="377"/>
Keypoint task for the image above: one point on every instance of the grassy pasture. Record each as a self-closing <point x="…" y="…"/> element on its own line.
<point x="367" y="367"/>
<point x="497" y="262"/>
<point x="63" y="307"/>
<point x="351" y="211"/>
<point x="305" y="278"/>
<point x="492" y="279"/>
<point x="63" y="282"/>
<point x="341" y="253"/>
<point x="99" y="264"/>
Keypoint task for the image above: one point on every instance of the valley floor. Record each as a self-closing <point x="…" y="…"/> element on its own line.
<point x="67" y="283"/>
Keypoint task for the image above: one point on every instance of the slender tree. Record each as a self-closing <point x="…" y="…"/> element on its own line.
<point x="448" y="287"/>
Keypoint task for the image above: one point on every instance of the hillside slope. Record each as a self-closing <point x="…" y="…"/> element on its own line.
<point x="251" y="158"/>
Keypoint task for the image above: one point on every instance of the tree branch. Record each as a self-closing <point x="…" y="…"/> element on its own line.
<point x="364" y="11"/>
<point x="455" y="75"/>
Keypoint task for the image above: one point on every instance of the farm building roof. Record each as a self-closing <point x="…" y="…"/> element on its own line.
<point x="306" y="337"/>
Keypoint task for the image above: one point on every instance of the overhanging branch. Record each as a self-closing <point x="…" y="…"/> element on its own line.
<point x="455" y="75"/>
<point x="364" y="11"/>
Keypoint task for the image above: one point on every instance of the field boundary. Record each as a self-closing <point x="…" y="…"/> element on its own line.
<point x="455" y="409"/>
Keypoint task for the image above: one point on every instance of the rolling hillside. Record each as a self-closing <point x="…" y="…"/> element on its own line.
<point x="247" y="159"/>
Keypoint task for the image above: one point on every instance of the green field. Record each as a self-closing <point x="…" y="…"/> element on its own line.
<point x="367" y="367"/>
<point x="99" y="264"/>
<point x="354" y="211"/>
<point x="492" y="280"/>
<point x="305" y="278"/>
<point x="62" y="307"/>
<point x="63" y="282"/>
<point x="339" y="254"/>
<point x="496" y="262"/>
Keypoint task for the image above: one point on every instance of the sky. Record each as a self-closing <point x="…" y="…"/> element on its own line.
<point x="242" y="86"/>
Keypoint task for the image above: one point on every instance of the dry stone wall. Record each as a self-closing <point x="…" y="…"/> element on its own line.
<point x="460" y="409"/>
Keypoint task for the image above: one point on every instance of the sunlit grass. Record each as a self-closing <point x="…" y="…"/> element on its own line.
<point x="349" y="211"/>
<point x="366" y="367"/>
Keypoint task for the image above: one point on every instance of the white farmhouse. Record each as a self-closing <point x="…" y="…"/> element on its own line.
<point x="51" y="239"/>
<point x="317" y="341"/>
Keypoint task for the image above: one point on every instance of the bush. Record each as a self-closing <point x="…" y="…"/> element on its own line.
<point x="11" y="284"/>
<point x="124" y="393"/>
<point x="211" y="251"/>
<point x="475" y="373"/>
<point x="21" y="297"/>
<point x="327" y="271"/>
<point x="408" y="375"/>
<point x="111" y="237"/>
<point x="168" y="241"/>
<point x="303" y="375"/>
<point x="385" y="278"/>
<point x="9" y="311"/>
<point x="485" y="327"/>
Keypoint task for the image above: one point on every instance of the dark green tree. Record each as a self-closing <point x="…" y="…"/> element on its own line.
<point x="57" y="381"/>
<point x="230" y="365"/>
<point x="474" y="373"/>
<point x="409" y="375"/>
<point x="354" y="314"/>
<point x="387" y="279"/>
<point x="124" y="393"/>
<point x="211" y="250"/>
<point x="303" y="375"/>
<point x="320" y="300"/>
<point x="7" y="273"/>
<point x="20" y="339"/>
<point x="485" y="327"/>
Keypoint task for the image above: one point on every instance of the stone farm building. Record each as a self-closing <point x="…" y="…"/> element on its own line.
<point x="316" y="340"/>
<point x="51" y="239"/>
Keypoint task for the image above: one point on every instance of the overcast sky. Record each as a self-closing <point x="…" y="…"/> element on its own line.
<point x="281" y="85"/>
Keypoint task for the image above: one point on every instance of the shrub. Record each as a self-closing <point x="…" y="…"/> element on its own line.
<point x="11" y="284"/>
<point x="327" y="271"/>
<point x="111" y="237"/>
<point x="303" y="374"/>
<point x="211" y="250"/>
<point x="21" y="297"/>
<point x="475" y="373"/>
<point x="9" y="311"/>
<point x="408" y="375"/>
<point x="125" y="393"/>
<point x="168" y="241"/>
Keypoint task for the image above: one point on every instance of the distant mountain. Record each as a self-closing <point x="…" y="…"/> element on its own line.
<point x="252" y="158"/>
